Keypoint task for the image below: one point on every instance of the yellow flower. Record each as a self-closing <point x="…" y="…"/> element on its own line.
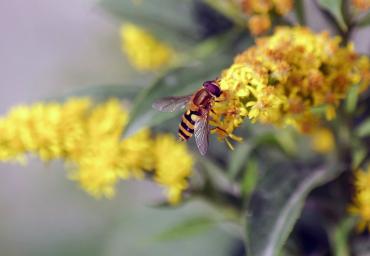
<point x="363" y="5"/>
<point x="48" y="130"/>
<point x="257" y="6"/>
<point x="361" y="201"/>
<point x="88" y="139"/>
<point x="282" y="7"/>
<point x="283" y="77"/>
<point x="322" y="141"/>
<point x="144" y="51"/>
<point x="259" y="24"/>
<point x="173" y="166"/>
<point x="260" y="12"/>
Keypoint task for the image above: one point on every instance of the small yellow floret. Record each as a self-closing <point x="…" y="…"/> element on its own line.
<point x="173" y="166"/>
<point x="323" y="141"/>
<point x="259" y="24"/>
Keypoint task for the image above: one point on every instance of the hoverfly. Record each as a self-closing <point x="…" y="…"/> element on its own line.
<point x="196" y="117"/>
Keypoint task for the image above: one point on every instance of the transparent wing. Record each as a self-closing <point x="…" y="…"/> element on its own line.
<point x="170" y="104"/>
<point x="201" y="132"/>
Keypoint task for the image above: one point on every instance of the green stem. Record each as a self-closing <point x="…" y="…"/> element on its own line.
<point x="299" y="10"/>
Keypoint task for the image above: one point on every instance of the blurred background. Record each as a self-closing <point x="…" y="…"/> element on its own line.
<point x="49" y="48"/>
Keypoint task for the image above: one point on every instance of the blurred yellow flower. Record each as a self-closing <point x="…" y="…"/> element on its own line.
<point x="363" y="5"/>
<point x="283" y="7"/>
<point x="281" y="79"/>
<point x="143" y="51"/>
<point x="260" y="12"/>
<point x="361" y="202"/>
<point x="257" y="6"/>
<point x="259" y="24"/>
<point x="173" y="166"/>
<point x="88" y="139"/>
<point x="322" y="140"/>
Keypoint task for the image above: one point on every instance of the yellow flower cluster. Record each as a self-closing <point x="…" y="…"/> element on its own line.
<point x="89" y="139"/>
<point x="260" y="11"/>
<point x="322" y="140"/>
<point x="144" y="51"/>
<point x="287" y="75"/>
<point x="363" y="5"/>
<point x="361" y="202"/>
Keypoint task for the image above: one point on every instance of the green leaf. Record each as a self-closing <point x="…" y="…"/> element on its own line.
<point x="102" y="92"/>
<point x="339" y="236"/>
<point x="186" y="228"/>
<point x="358" y="156"/>
<point x="168" y="20"/>
<point x="364" y="129"/>
<point x="250" y="178"/>
<point x="335" y="8"/>
<point x="352" y="98"/>
<point x="272" y="139"/>
<point x="238" y="159"/>
<point x="286" y="139"/>
<point x="277" y="203"/>
<point x="365" y="21"/>
<point x="217" y="176"/>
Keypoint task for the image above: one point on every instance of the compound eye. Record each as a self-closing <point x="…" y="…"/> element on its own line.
<point x="212" y="88"/>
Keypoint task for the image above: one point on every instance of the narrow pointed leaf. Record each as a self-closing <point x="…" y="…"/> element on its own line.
<point x="276" y="205"/>
<point x="364" y="129"/>
<point x="186" y="228"/>
<point x="335" y="8"/>
<point x="352" y="98"/>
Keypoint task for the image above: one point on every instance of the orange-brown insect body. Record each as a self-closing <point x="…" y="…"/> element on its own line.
<point x="196" y="117"/>
<point x="199" y="102"/>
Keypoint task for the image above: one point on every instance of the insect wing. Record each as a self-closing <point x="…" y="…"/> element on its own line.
<point x="170" y="104"/>
<point x="201" y="132"/>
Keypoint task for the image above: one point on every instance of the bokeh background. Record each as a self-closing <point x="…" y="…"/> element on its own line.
<point x="49" y="48"/>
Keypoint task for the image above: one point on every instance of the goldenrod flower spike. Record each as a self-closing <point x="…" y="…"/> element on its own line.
<point x="88" y="139"/>
<point x="281" y="78"/>
<point x="144" y="51"/>
<point x="361" y="201"/>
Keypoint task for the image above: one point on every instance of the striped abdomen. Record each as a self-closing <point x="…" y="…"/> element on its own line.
<point x="186" y="127"/>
